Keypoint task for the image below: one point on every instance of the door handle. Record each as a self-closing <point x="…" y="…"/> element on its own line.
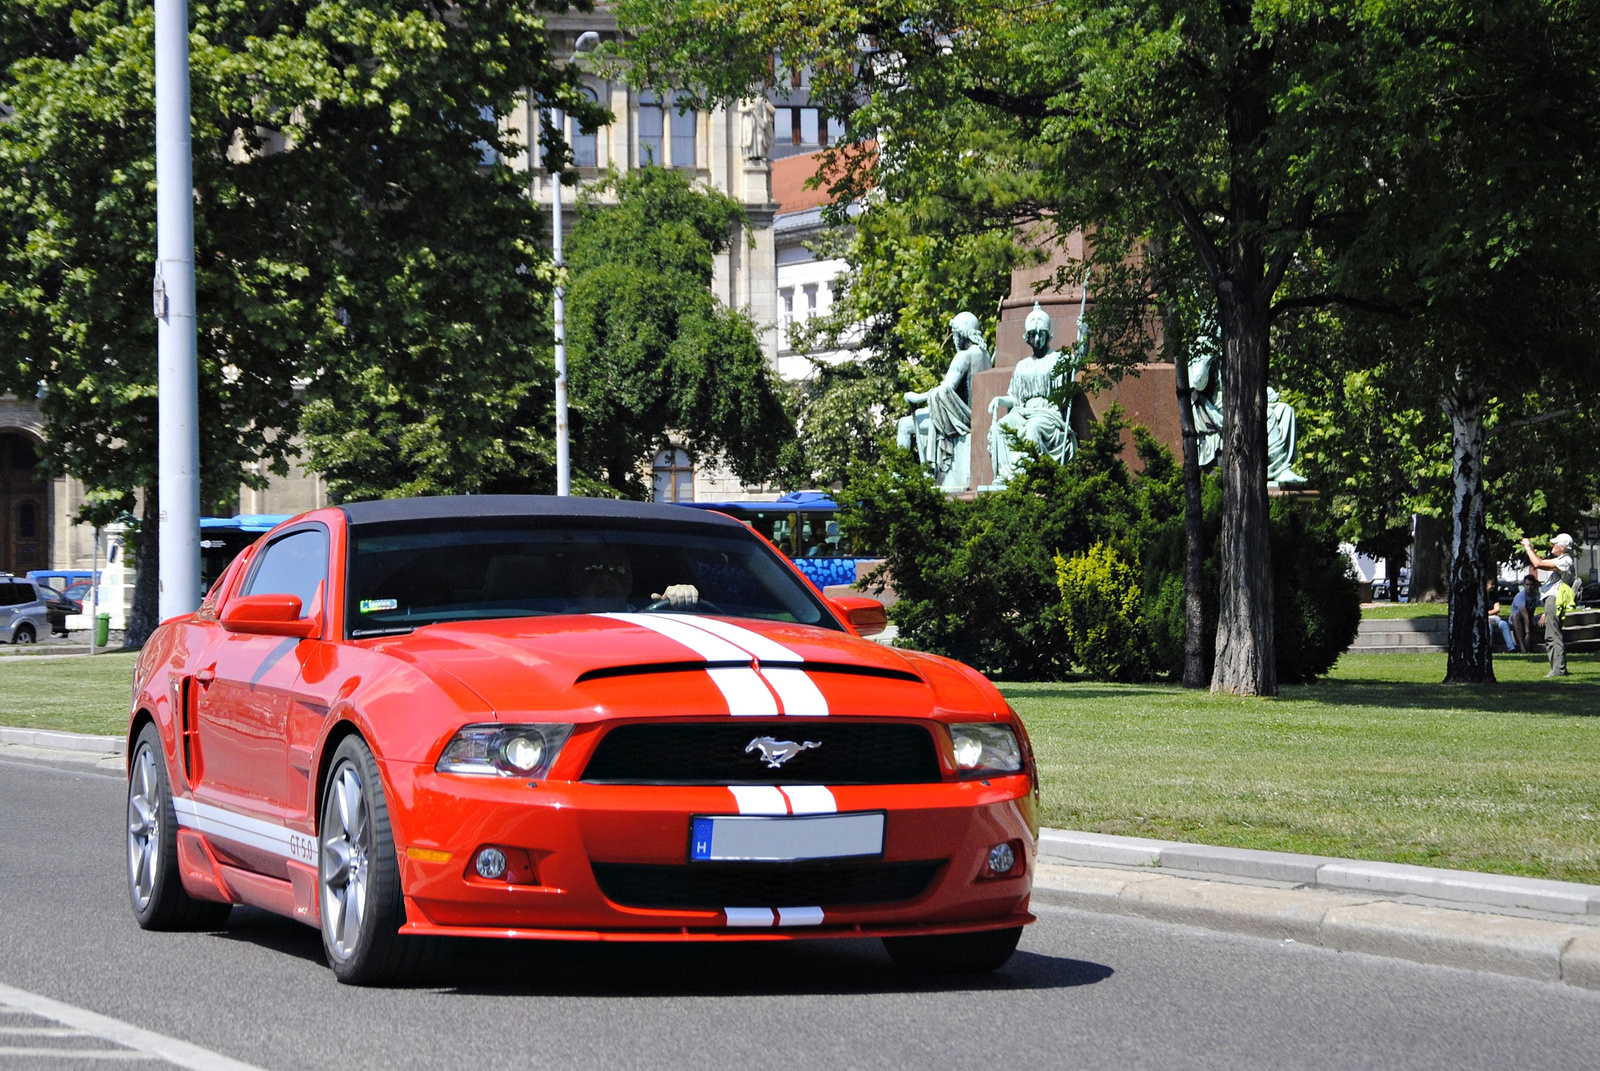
<point x="207" y="675"/>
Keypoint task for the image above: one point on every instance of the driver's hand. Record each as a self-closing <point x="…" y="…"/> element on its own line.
<point x="680" y="595"/>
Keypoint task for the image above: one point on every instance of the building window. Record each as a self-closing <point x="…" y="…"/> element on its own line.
<point x="586" y="147"/>
<point x="487" y="156"/>
<point x="783" y="127"/>
<point x="786" y="296"/>
<point x="652" y="124"/>
<point x="807" y="127"/>
<point x="673" y="476"/>
<point x="685" y="132"/>
<point x="811" y="301"/>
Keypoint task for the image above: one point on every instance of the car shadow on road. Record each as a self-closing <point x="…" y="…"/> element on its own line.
<point x="830" y="967"/>
<point x="483" y="967"/>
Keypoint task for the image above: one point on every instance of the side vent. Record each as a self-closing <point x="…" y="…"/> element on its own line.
<point x="188" y="696"/>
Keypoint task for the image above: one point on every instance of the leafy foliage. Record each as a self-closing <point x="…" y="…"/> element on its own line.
<point x="1102" y="606"/>
<point x="653" y="353"/>
<point x="977" y="580"/>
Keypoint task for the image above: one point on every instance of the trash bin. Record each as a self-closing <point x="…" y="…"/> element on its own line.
<point x="102" y="630"/>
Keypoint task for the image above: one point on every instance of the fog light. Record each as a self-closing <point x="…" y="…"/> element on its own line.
<point x="1001" y="859"/>
<point x="491" y="863"/>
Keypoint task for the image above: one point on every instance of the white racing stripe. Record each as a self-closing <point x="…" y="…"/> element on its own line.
<point x="810" y="799"/>
<point x="749" y="916"/>
<point x="145" y="1044"/>
<point x="759" y="799"/>
<point x="747" y="695"/>
<point x="799" y="916"/>
<point x="795" y="688"/>
<point x="218" y="822"/>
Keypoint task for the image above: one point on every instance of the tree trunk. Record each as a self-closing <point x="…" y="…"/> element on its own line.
<point x="1471" y="659"/>
<point x="1430" y="560"/>
<point x="1173" y="340"/>
<point x="1246" y="659"/>
<point x="146" y="612"/>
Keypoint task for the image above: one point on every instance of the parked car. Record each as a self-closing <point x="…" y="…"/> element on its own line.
<point x="63" y="604"/>
<point x="26" y="615"/>
<point x="565" y="718"/>
<point x="58" y="580"/>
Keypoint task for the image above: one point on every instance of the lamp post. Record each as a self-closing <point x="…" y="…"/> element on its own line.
<point x="177" y="384"/>
<point x="587" y="42"/>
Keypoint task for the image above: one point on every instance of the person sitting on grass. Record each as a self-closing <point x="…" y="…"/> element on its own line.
<point x="1523" y="608"/>
<point x="1492" y="586"/>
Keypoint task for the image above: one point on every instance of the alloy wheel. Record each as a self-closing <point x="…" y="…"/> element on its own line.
<point x="346" y="850"/>
<point x="144" y="827"/>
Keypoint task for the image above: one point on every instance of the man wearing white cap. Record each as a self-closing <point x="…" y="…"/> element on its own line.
<point x="1560" y="571"/>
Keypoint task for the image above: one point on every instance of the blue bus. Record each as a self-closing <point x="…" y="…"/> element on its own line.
<point x="804" y="525"/>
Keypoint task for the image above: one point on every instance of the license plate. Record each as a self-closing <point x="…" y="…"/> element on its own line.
<point x="785" y="839"/>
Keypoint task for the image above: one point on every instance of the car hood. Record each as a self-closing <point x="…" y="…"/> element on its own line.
<point x="607" y="665"/>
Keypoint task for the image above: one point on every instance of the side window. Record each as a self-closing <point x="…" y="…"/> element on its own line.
<point x="11" y="594"/>
<point x="293" y="565"/>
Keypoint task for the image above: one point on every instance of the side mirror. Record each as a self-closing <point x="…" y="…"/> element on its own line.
<point x="866" y="616"/>
<point x="269" y="615"/>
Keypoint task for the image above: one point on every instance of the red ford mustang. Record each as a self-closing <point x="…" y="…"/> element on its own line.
<point x="508" y="716"/>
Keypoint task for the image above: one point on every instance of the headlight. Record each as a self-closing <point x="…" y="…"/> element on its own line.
<point x="982" y="746"/>
<point x="504" y="750"/>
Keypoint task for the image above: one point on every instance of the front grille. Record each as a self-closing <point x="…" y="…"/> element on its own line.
<point x="762" y="884"/>
<point x="713" y="753"/>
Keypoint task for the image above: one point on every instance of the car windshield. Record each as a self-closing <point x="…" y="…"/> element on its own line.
<point x="406" y="574"/>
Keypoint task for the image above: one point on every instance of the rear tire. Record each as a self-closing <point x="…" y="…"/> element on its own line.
<point x="23" y="634"/>
<point x="160" y="901"/>
<point x="358" y="878"/>
<point x="954" y="953"/>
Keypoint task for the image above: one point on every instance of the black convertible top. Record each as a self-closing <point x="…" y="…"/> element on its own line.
<point x="446" y="507"/>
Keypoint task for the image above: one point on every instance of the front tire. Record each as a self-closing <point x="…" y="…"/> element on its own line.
<point x="358" y="878"/>
<point x="954" y="953"/>
<point x="160" y="901"/>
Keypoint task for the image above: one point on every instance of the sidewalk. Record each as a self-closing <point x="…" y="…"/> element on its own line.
<point x="1527" y="927"/>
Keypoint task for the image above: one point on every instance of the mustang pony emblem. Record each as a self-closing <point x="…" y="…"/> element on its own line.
<point x="777" y="752"/>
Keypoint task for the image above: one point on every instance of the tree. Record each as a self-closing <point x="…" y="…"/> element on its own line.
<point x="352" y="248"/>
<point x="655" y="357"/>
<point x="1484" y="237"/>
<point x="1243" y="125"/>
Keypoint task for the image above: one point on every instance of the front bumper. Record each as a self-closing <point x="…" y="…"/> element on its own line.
<point x="567" y="829"/>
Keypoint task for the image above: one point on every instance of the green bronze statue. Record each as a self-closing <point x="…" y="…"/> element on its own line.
<point x="1032" y="413"/>
<point x="939" y="428"/>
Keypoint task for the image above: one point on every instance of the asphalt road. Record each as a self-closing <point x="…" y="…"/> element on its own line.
<point x="1084" y="991"/>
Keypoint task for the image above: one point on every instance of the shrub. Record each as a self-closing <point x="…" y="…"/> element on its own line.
<point x="1102" y="607"/>
<point x="977" y="580"/>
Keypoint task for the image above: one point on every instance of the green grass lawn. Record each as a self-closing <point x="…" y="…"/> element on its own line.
<point x="79" y="694"/>
<point x="1399" y="611"/>
<point x="1378" y="762"/>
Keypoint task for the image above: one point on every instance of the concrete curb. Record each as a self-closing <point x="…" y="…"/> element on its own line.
<point x="1490" y="891"/>
<point x="54" y="740"/>
<point x="1448" y="937"/>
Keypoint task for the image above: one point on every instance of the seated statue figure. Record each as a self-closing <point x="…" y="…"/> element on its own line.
<point x="1282" y="437"/>
<point x="940" y="428"/>
<point x="1282" y="442"/>
<point x="1033" y="414"/>
<point x="1207" y="388"/>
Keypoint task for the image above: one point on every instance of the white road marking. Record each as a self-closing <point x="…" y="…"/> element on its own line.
<point x="810" y="799"/>
<point x="799" y="916"/>
<point x="41" y="1032"/>
<point x="77" y="1054"/>
<point x="144" y="1043"/>
<point x="759" y="799"/>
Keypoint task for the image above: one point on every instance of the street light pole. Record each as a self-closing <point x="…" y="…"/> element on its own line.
<point x="563" y="438"/>
<point x="177" y="385"/>
<point x="587" y="42"/>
